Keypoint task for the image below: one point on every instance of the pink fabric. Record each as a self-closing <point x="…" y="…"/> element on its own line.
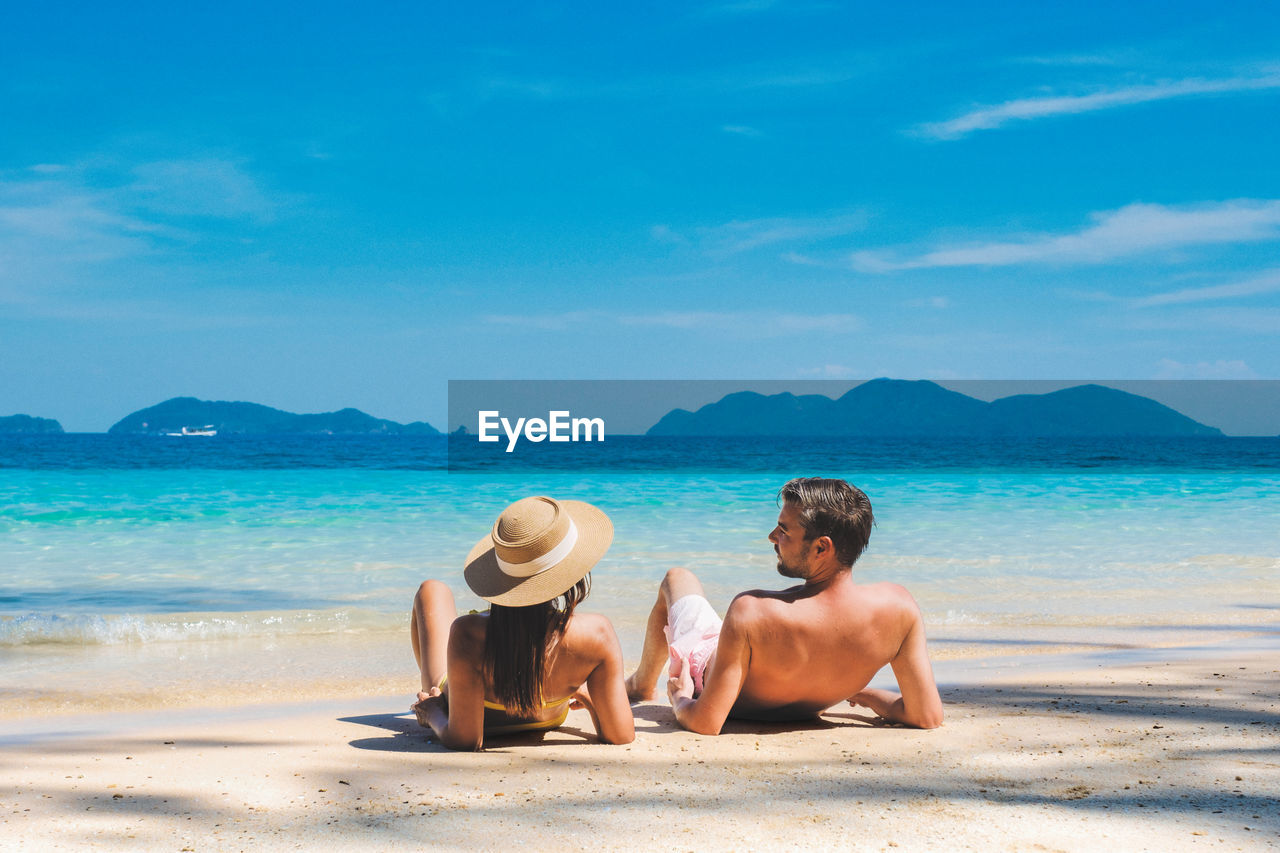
<point x="693" y="631"/>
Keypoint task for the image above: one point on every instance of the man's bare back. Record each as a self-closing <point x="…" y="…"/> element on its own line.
<point x="794" y="653"/>
<point x="813" y="649"/>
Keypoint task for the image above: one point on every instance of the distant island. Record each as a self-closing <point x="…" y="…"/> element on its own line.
<point x="897" y="407"/>
<point x="28" y="425"/>
<point x="255" y="419"/>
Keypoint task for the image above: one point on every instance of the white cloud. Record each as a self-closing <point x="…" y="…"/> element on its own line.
<point x="49" y="226"/>
<point x="752" y="323"/>
<point x="665" y="234"/>
<point x="1089" y="295"/>
<point x="96" y="225"/>
<point x="742" y="7"/>
<point x="65" y="209"/>
<point x="1268" y="282"/>
<point x="1132" y="230"/>
<point x="544" y="322"/>
<point x="757" y="7"/>
<point x="674" y="319"/>
<point x="1026" y="109"/>
<point x="158" y="312"/>
<point x="1170" y="369"/>
<point x="530" y="88"/>
<point x="200" y="187"/>
<point x="829" y="371"/>
<point x="754" y="78"/>
<point x="968" y="351"/>
<point x="742" y="235"/>
<point x="803" y="260"/>
<point x="1249" y="321"/>
<point x="65" y="216"/>
<point x="1080" y="59"/>
<point x="936" y="302"/>
<point x="800" y="78"/>
<point x="761" y="321"/>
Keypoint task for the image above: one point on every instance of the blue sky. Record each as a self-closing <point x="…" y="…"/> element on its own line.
<point x="315" y="206"/>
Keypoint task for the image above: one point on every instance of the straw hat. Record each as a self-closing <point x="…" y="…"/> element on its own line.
<point x="538" y="548"/>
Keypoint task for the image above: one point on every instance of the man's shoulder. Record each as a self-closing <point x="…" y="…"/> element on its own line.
<point x="887" y="597"/>
<point x="889" y="591"/>
<point x="890" y="605"/>
<point x="750" y="606"/>
<point x="883" y="596"/>
<point x="752" y="599"/>
<point x="755" y="605"/>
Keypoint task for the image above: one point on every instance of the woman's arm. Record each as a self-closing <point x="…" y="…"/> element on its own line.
<point x="605" y="695"/>
<point x="431" y="712"/>
<point x="462" y="726"/>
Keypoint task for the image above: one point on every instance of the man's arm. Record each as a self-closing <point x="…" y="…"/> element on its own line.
<point x="919" y="704"/>
<point x="723" y="680"/>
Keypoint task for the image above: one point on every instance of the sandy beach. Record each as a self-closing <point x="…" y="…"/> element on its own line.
<point x="1178" y="752"/>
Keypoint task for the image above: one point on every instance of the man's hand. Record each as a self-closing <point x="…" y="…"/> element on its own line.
<point x="877" y="705"/>
<point x="890" y="706"/>
<point x="680" y="683"/>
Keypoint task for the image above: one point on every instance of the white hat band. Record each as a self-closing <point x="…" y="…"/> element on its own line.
<point x="540" y="564"/>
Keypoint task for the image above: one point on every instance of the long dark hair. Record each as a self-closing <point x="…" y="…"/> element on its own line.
<point x="516" y="644"/>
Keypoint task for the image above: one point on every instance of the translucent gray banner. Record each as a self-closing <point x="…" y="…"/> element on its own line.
<point x="583" y="422"/>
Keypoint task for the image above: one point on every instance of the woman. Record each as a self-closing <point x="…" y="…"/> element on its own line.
<point x="522" y="665"/>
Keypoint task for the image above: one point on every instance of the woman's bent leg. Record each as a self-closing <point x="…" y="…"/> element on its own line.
<point x="429" y="621"/>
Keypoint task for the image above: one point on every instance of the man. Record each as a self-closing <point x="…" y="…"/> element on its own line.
<point x="792" y="654"/>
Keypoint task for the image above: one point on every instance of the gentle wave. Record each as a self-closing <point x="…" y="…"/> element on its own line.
<point x="629" y="453"/>
<point x="120" y="629"/>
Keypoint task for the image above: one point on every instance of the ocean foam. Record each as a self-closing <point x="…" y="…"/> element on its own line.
<point x="117" y="629"/>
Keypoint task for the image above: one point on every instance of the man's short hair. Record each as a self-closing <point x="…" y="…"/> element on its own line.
<point x="831" y="508"/>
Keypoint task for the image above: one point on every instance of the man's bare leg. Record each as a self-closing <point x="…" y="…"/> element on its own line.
<point x="654" y="658"/>
<point x="429" y="622"/>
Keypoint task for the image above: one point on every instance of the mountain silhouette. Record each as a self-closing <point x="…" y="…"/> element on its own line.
<point x="256" y="419"/>
<point x="28" y="425"/>
<point x="897" y="407"/>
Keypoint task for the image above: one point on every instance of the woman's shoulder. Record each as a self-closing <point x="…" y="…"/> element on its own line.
<point x="589" y="621"/>
<point x="590" y="631"/>
<point x="469" y="627"/>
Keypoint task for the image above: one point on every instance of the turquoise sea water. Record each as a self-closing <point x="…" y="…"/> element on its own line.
<point x="118" y="552"/>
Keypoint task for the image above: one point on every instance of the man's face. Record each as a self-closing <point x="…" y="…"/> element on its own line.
<point x="790" y="545"/>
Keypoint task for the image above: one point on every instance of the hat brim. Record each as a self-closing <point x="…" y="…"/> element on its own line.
<point x="487" y="580"/>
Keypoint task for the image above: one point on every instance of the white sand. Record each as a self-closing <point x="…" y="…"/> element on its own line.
<point x="1165" y="755"/>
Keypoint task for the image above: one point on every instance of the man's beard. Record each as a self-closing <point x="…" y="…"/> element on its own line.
<point x="791" y="571"/>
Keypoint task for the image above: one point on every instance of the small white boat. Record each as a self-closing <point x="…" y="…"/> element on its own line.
<point x="204" y="430"/>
